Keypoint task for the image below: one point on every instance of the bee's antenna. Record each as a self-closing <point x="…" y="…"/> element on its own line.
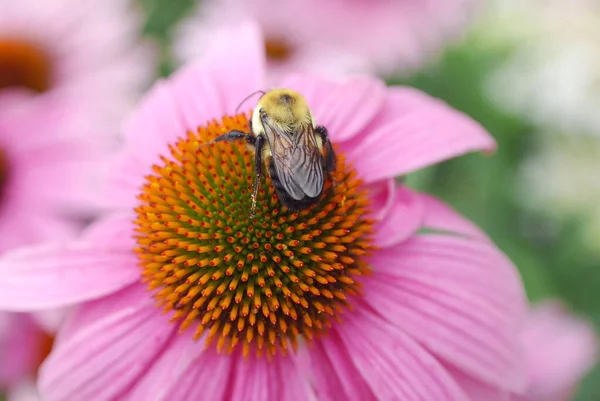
<point x="248" y="97"/>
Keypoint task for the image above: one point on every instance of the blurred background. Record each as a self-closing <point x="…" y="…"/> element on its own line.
<point x="529" y="71"/>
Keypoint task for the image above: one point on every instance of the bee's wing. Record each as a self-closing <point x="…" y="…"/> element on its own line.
<point x="298" y="163"/>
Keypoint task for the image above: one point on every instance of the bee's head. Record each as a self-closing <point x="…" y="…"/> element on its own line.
<point x="284" y="107"/>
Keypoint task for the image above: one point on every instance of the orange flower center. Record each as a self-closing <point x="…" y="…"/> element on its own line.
<point x="278" y="50"/>
<point x="24" y="65"/>
<point x="262" y="283"/>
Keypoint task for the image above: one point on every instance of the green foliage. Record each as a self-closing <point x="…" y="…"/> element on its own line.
<point x="161" y="17"/>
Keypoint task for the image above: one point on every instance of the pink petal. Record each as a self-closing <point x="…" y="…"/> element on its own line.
<point x="382" y="195"/>
<point x="345" y="107"/>
<point x="19" y="347"/>
<point x="112" y="233"/>
<point x="20" y="226"/>
<point x="155" y="124"/>
<point x="219" y="84"/>
<point x="60" y="274"/>
<point x="166" y="369"/>
<point x="412" y="131"/>
<point x="207" y="89"/>
<point x="237" y="60"/>
<point x="213" y="376"/>
<point x="124" y="182"/>
<point x="403" y="219"/>
<point x="560" y="348"/>
<point x="207" y="377"/>
<point x="335" y="374"/>
<point x="16" y="109"/>
<point x="393" y="365"/>
<point x="477" y="390"/>
<point x="441" y="217"/>
<point x="100" y="358"/>
<point x="56" y="174"/>
<point x="148" y="132"/>
<point x="203" y="104"/>
<point x="50" y="320"/>
<point x="462" y="300"/>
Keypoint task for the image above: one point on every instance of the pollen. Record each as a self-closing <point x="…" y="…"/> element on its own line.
<point x="266" y="283"/>
<point x="23" y="65"/>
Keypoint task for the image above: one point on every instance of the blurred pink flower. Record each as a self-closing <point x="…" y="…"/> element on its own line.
<point x="333" y="36"/>
<point x="87" y="52"/>
<point x="439" y="314"/>
<point x="45" y="172"/>
<point x="69" y="71"/>
<point x="45" y="188"/>
<point x="23" y="345"/>
<point x="559" y="350"/>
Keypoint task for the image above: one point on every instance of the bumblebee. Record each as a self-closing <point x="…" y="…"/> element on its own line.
<point x="297" y="153"/>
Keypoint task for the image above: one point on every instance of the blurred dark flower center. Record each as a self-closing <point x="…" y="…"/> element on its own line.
<point x="261" y="283"/>
<point x="24" y="65"/>
<point x="277" y="49"/>
<point x="45" y="344"/>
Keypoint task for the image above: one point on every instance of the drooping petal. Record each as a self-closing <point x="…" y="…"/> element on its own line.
<point x="213" y="372"/>
<point x="476" y="389"/>
<point x="60" y="274"/>
<point x="461" y="299"/>
<point x="412" y="131"/>
<point x="187" y="370"/>
<point x="231" y="377"/>
<point x="402" y="220"/>
<point x="559" y="349"/>
<point x="382" y="195"/>
<point x="441" y="217"/>
<point x="335" y="374"/>
<point x="388" y="360"/>
<point x="344" y="107"/>
<point x="169" y="366"/>
<point x="101" y="355"/>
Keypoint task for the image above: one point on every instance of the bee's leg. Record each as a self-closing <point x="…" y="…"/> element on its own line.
<point x="330" y="156"/>
<point x="258" y="143"/>
<point x="230" y="136"/>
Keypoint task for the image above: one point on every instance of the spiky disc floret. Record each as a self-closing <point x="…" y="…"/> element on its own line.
<point x="262" y="282"/>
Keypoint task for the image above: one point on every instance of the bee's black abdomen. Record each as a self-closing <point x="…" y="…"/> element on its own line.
<point x="285" y="198"/>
